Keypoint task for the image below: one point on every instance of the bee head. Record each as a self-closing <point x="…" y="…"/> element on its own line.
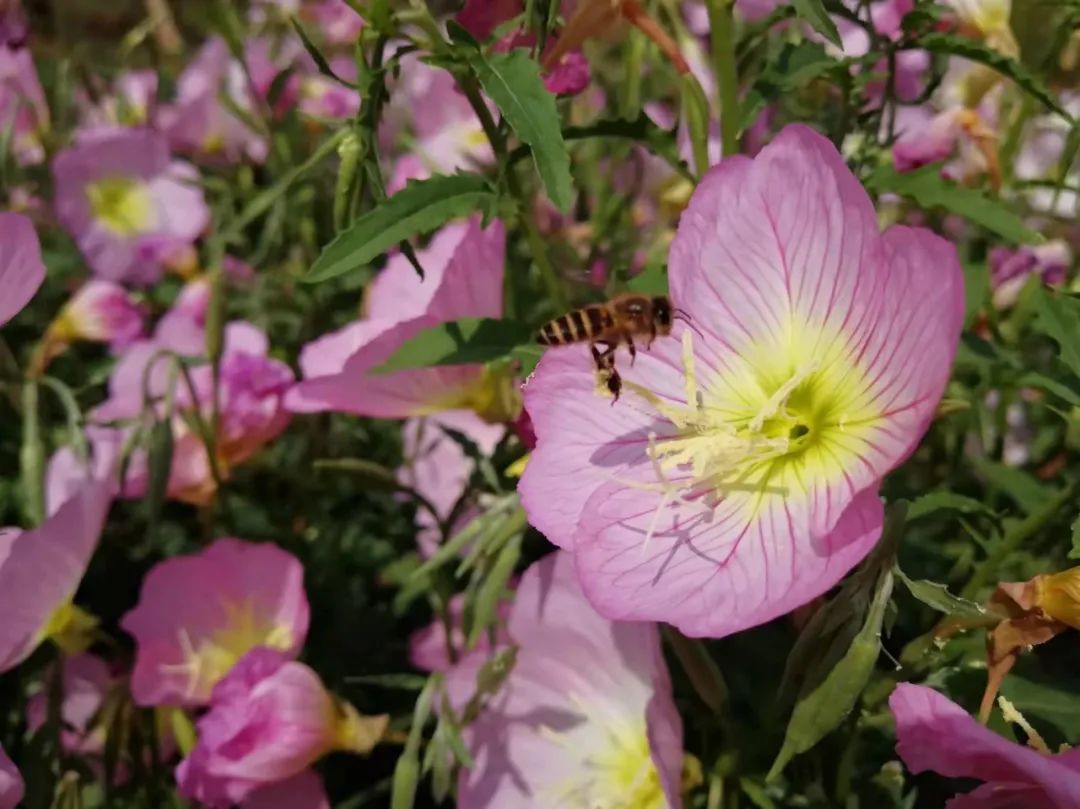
<point x="662" y="312"/>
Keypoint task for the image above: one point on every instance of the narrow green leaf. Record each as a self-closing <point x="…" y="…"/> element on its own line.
<point x="955" y="45"/>
<point x="1059" y="318"/>
<point x="813" y="12"/>
<point x="938" y="597"/>
<point x="493" y="588"/>
<point x="794" y="67"/>
<point x="420" y="207"/>
<point x="930" y="190"/>
<point x="1026" y="490"/>
<point x="459" y="342"/>
<point x="512" y="80"/>
<point x="316" y="54"/>
<point x="398" y="682"/>
<point x="528" y="355"/>
<point x="944" y="500"/>
<point x="1074" y="553"/>
<point x="1069" y="390"/>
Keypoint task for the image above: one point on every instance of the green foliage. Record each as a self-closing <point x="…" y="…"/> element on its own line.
<point x="459" y="342"/>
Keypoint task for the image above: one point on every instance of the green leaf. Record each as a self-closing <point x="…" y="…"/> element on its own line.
<point x="976" y="289"/>
<point x="459" y="342"/>
<point x="822" y="709"/>
<point x="953" y="45"/>
<point x="512" y="80"/>
<point x="938" y="597"/>
<point x="1024" y="489"/>
<point x="1074" y="553"/>
<point x="813" y="12"/>
<point x="316" y="54"/>
<point x="420" y="207"/>
<point x="643" y="131"/>
<point x="1057" y="704"/>
<point x="1059" y="318"/>
<point x="930" y="190"/>
<point x="652" y="280"/>
<point x="797" y="65"/>
<point x="1069" y="390"/>
<point x="944" y="500"/>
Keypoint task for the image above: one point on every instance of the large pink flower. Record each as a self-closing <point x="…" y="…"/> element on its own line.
<point x="464" y="266"/>
<point x="11" y="783"/>
<point x="737" y="477"/>
<point x="270" y="719"/>
<point x="21" y="267"/>
<point x="128" y="205"/>
<point x="585" y="715"/>
<point x="934" y="733"/>
<point x="197" y="615"/>
<point x="40" y="570"/>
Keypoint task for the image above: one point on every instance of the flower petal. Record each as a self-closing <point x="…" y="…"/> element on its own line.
<point x="11" y="783"/>
<point x="712" y="571"/>
<point x="934" y="733"/>
<point x="21" y="267"/>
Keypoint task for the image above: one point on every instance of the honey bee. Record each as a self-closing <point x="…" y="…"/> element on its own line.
<point x="613" y="323"/>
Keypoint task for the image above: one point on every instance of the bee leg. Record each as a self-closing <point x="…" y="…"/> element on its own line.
<point x="652" y="335"/>
<point x="632" y="347"/>
<point x="614" y="385"/>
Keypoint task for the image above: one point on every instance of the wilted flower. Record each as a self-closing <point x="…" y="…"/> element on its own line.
<point x="22" y="104"/>
<point x="1058" y="595"/>
<point x="128" y="205"/>
<point x="737" y="478"/>
<point x="101" y="312"/>
<point x="197" y="615"/>
<point x="40" y="570"/>
<point x="934" y="733"/>
<point x="11" y="783"/>
<point x="463" y="266"/>
<point x="21" y="267"/>
<point x="269" y="720"/>
<point x="585" y="717"/>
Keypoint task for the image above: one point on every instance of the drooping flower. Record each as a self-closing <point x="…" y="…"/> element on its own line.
<point x="198" y="615"/>
<point x="11" y="783"/>
<point x="585" y="717"/>
<point x="21" y="267"/>
<point x="40" y="570"/>
<point x="934" y="733"/>
<point x="463" y="266"/>
<point x="737" y="478"/>
<point x="101" y="312"/>
<point x="270" y="719"/>
<point x="22" y="104"/>
<point x="128" y="204"/>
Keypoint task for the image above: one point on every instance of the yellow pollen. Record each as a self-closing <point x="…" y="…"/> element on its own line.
<point x="122" y="205"/>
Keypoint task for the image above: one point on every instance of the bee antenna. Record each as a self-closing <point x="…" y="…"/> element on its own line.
<point x="679" y="314"/>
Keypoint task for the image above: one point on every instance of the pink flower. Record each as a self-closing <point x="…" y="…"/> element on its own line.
<point x="101" y="312"/>
<point x="270" y="719"/>
<point x="41" y="568"/>
<point x="464" y="277"/>
<point x="438" y="469"/>
<point x="85" y="683"/>
<point x="197" y="615"/>
<point x="303" y="791"/>
<point x="340" y="25"/>
<point x="11" y="783"/>
<point x="198" y="123"/>
<point x="934" y="733"/>
<point x="1010" y="269"/>
<point x="120" y="194"/>
<point x="481" y="17"/>
<point x="22" y="104"/>
<point x="585" y="714"/>
<point x="21" y="267"/>
<point x="130" y="103"/>
<point x="323" y="97"/>
<point x="738" y="476"/>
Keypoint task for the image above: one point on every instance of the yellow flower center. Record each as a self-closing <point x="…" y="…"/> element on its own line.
<point x="122" y="205"/>
<point x="618" y="768"/>
<point x="780" y="416"/>
<point x="71" y="628"/>
<point x="494" y="395"/>
<point x="244" y="629"/>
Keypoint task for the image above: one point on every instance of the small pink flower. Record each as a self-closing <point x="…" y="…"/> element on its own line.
<point x="101" y="312"/>
<point x="464" y="267"/>
<point x="737" y="478"/>
<point x="129" y="103"/>
<point x="197" y="615"/>
<point x="1010" y="269"/>
<point x="117" y="193"/>
<point x="11" y="783"/>
<point x="40" y="570"/>
<point x="340" y="24"/>
<point x="21" y="267"/>
<point x="323" y="97"/>
<point x="269" y="720"/>
<point x="934" y="733"/>
<point x="585" y="714"/>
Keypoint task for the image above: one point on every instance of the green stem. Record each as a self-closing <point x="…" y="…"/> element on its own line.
<point x="32" y="456"/>
<point x="722" y="23"/>
<point x="1017" y="535"/>
<point x="704" y="674"/>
